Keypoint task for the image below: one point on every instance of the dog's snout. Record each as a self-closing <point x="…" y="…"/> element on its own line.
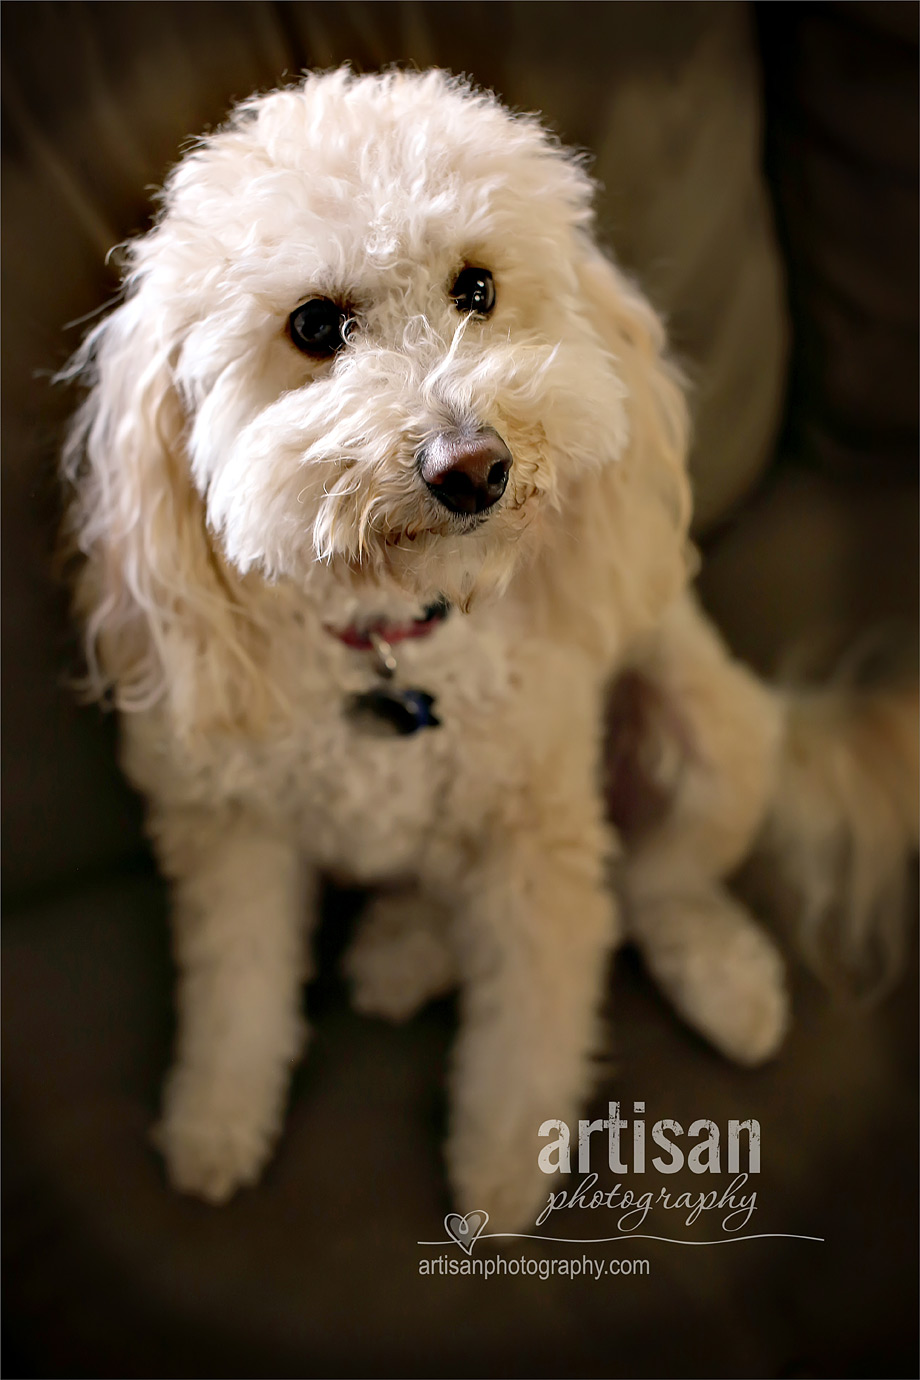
<point x="467" y="474"/>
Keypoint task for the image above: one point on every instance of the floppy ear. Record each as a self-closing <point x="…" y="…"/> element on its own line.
<point x="638" y="507"/>
<point x="163" y="618"/>
<point x="656" y="398"/>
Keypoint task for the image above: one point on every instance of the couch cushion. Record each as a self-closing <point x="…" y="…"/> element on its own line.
<point x="813" y="562"/>
<point x="843" y="134"/>
<point x="316" y="1271"/>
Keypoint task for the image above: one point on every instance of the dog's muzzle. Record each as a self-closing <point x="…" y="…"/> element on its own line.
<point x="466" y="473"/>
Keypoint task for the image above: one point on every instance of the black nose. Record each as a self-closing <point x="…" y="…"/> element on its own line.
<point x="467" y="474"/>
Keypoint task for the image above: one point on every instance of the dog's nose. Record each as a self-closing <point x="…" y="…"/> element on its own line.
<point x="467" y="474"/>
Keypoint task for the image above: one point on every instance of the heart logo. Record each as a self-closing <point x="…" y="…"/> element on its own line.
<point x="465" y="1230"/>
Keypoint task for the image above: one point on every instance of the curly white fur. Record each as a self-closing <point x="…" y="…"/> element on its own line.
<point x="234" y="499"/>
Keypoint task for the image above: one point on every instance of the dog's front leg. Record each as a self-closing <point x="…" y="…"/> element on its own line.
<point x="534" y="936"/>
<point x="239" y="940"/>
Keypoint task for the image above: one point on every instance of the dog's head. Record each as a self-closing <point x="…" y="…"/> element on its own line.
<point x="368" y="351"/>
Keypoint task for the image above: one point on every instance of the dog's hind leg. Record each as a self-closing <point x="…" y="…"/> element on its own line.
<point x="718" y="968"/>
<point x="696" y="741"/>
<point x="400" y="958"/>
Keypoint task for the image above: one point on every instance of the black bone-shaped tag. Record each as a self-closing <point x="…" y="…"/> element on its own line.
<point x="389" y="711"/>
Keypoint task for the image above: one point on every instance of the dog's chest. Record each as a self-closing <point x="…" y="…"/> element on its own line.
<point x="371" y="803"/>
<point x="363" y="805"/>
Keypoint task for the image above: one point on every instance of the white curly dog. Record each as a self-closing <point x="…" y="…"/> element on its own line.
<point x="380" y="485"/>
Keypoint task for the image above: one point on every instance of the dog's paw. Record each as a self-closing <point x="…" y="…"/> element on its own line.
<point x="723" y="974"/>
<point x="216" y="1134"/>
<point x="399" y="960"/>
<point x="739" y="1002"/>
<point x="493" y="1152"/>
<point x="508" y="1183"/>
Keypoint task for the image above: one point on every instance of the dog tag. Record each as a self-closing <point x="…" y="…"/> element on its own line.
<point x="387" y="712"/>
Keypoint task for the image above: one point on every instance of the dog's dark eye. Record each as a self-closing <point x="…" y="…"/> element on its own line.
<point x="474" y="291"/>
<point x="318" y="327"/>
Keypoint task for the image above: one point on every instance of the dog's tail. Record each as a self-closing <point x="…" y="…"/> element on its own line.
<point x="842" y="826"/>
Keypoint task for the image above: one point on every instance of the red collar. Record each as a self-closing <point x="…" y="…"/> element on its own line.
<point x="359" y="635"/>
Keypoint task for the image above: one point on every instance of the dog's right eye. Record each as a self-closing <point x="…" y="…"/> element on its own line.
<point x="318" y="327"/>
<point x="474" y="291"/>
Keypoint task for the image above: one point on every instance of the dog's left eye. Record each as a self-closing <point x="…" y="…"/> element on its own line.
<point x="318" y="327"/>
<point x="474" y="291"/>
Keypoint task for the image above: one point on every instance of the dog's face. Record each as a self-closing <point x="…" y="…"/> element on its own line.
<point x="369" y="353"/>
<point x="369" y="295"/>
